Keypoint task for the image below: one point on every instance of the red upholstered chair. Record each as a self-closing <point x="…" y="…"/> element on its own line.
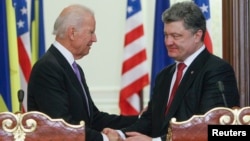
<point x="36" y="126"/>
<point x="196" y="128"/>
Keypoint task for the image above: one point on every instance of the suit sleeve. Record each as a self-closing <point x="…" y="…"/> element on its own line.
<point x="211" y="96"/>
<point x="46" y="93"/>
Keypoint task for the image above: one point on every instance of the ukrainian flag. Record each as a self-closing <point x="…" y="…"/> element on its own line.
<point x="37" y="30"/>
<point x="9" y="73"/>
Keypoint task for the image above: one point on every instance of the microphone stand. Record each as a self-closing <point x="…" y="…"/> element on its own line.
<point x="20" y="95"/>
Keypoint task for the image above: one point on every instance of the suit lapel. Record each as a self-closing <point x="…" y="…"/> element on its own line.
<point x="162" y="89"/>
<point x="160" y="97"/>
<point x="68" y="69"/>
<point x="187" y="80"/>
<point x="64" y="64"/>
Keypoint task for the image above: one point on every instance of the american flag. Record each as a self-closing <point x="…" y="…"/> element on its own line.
<point x="23" y="39"/>
<point x="134" y="68"/>
<point x="205" y="8"/>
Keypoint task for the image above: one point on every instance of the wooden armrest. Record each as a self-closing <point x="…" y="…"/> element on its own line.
<point x="195" y="128"/>
<point x="36" y="126"/>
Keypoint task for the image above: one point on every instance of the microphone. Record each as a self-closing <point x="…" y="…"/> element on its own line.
<point x="20" y="95"/>
<point x="221" y="89"/>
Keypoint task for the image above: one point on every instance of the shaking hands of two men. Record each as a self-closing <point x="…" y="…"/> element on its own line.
<point x="114" y="135"/>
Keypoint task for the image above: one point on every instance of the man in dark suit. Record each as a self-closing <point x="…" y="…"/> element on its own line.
<point x="198" y="92"/>
<point x="55" y="89"/>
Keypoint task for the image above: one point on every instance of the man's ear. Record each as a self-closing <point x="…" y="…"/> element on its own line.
<point x="198" y="35"/>
<point x="71" y="32"/>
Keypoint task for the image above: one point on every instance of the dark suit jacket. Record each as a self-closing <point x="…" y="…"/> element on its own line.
<point x="54" y="89"/>
<point x="197" y="93"/>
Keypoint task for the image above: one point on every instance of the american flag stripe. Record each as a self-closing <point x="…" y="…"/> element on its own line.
<point x="24" y="58"/>
<point x="24" y="49"/>
<point x="133" y="21"/>
<point x="134" y="74"/>
<point x="133" y="61"/>
<point x="133" y="48"/>
<point x="205" y="8"/>
<point x="134" y="68"/>
<point x="134" y="86"/>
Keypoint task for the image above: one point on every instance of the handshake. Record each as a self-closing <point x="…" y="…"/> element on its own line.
<point x="116" y="135"/>
<point x="113" y="135"/>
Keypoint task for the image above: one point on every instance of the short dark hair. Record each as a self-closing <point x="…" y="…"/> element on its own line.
<point x="189" y="13"/>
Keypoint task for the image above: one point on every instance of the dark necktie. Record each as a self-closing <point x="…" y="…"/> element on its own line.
<point x="180" y="68"/>
<point x="77" y="72"/>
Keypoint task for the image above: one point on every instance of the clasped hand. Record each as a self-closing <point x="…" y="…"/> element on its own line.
<point x="113" y="135"/>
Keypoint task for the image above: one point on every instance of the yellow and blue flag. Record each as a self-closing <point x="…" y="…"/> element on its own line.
<point x="37" y="30"/>
<point x="15" y="51"/>
<point x="5" y="98"/>
<point x="9" y="74"/>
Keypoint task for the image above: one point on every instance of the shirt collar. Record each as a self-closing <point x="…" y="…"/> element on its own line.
<point x="191" y="58"/>
<point x="66" y="53"/>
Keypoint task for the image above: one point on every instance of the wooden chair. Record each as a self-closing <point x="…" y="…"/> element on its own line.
<point x="36" y="126"/>
<point x="196" y="128"/>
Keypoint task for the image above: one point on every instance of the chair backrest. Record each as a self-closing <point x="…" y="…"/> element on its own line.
<point x="36" y="126"/>
<point x="196" y="128"/>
